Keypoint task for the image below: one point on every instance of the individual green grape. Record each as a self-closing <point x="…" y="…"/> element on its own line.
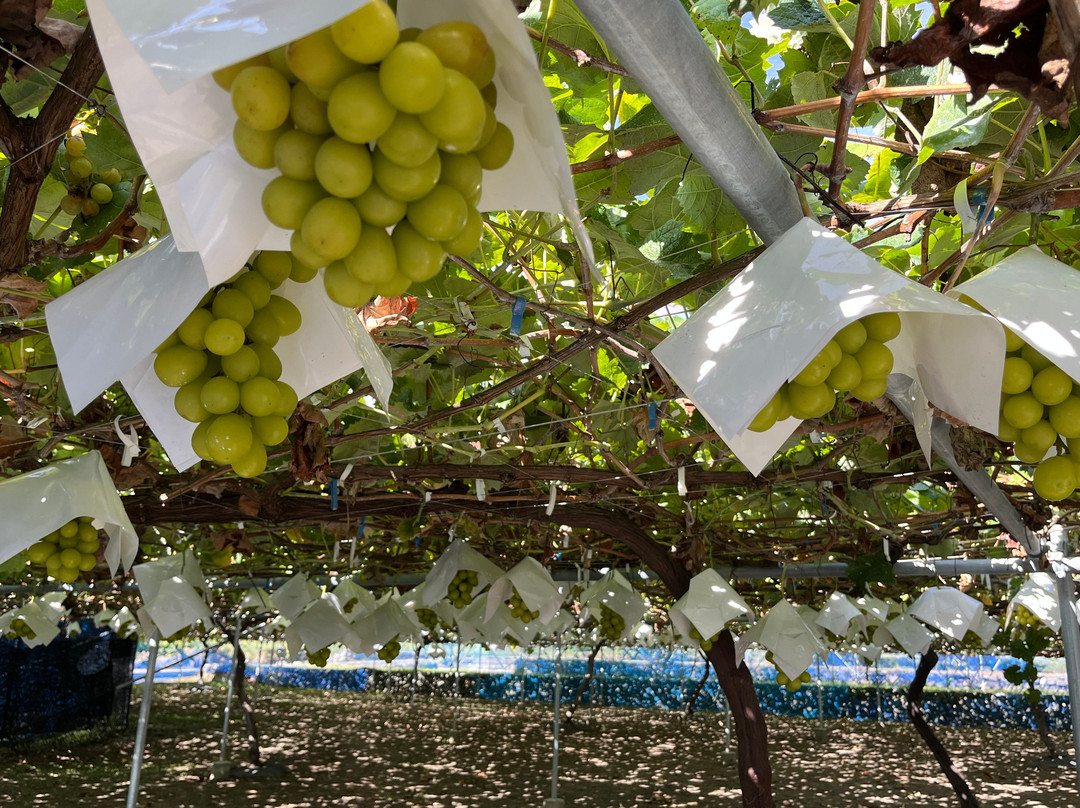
<point x="225" y="76"/>
<point x="259" y="396"/>
<point x="109" y="177"/>
<point x="286" y="314"/>
<point x="253" y="463"/>
<point x="269" y="364"/>
<point x="294" y="154"/>
<point x="367" y="34"/>
<point x="280" y="63"/>
<point x="39" y="552"/>
<point x="358" y="110"/>
<point x="318" y="62"/>
<point x="464" y="173"/>
<point x="220" y="395"/>
<point x="81" y="168"/>
<point x="228" y="438"/>
<point x="101" y="193"/>
<point x="374" y="260"/>
<point x="378" y="208"/>
<point x="459" y="45"/>
<point x="343" y="288"/>
<point x="412" y="78"/>
<point x="192" y="331"/>
<point x="406" y="184"/>
<point x="256" y="146"/>
<point x="439" y="215"/>
<point x="188" y="402"/>
<point x="264" y="328"/>
<point x="458" y="119"/>
<point x="306" y="262"/>
<point x="178" y="365"/>
<point x="468" y="240"/>
<point x="71" y="204"/>
<point x="331" y="228"/>
<point x="407" y="142"/>
<point x="287" y="400"/>
<point x="75" y="146"/>
<point x="272" y="429"/>
<point x="286" y="201"/>
<point x="274" y="265"/>
<point x="90" y="208"/>
<point x="198" y="440"/>
<point x="308" y="113"/>
<point x="261" y="97"/>
<point x="255" y="286"/>
<point x="497" y="152"/>
<point x="224" y="336"/>
<point x="418" y="258"/>
<point x="244" y="364"/>
<point x="343" y="168"/>
<point x="232" y="304"/>
<point x="394" y="288"/>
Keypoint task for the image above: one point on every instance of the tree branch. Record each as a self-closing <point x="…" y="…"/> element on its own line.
<point x="848" y="88"/>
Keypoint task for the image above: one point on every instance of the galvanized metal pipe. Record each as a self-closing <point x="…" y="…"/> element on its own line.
<point x="229" y="692"/>
<point x="1070" y="635"/>
<point x="557" y="719"/>
<point x="665" y="53"/>
<point x="144" y="722"/>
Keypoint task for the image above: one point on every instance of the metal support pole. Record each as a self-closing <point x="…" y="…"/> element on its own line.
<point x="877" y="691"/>
<point x="258" y="671"/>
<point x="457" y="687"/>
<point x="557" y="719"/>
<point x="144" y="722"/>
<point x="229" y="695"/>
<point x="820" y="695"/>
<point x="665" y="53"/>
<point x="1070" y="634"/>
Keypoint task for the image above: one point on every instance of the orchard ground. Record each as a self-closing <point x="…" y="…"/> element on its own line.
<point x="356" y="749"/>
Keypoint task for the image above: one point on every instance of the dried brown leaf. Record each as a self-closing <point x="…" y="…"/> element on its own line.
<point x="23" y="305"/>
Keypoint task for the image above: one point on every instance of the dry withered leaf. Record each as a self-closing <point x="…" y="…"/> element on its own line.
<point x="23" y="305"/>
<point x="124" y="477"/>
<point x="310" y="459"/>
<point x="384" y="312"/>
<point x="50" y="40"/>
<point x="234" y="540"/>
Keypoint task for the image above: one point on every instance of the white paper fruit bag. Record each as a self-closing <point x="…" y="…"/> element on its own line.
<point x="837" y="614"/>
<point x="172" y="590"/>
<point x="381" y="627"/>
<point x="615" y="605"/>
<point x="294" y="596"/>
<point x="948" y="610"/>
<point x="355" y="600"/>
<point x="533" y="583"/>
<point x="792" y="642"/>
<point x="159" y="57"/>
<point x="321" y="623"/>
<point x="770" y="321"/>
<point x="906" y="633"/>
<point x="41" y="501"/>
<point x="708" y="605"/>
<point x="1039" y="597"/>
<point x="452" y="570"/>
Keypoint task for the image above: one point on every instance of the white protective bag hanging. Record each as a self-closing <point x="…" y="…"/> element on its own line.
<point x="837" y="613"/>
<point x="43" y="622"/>
<point x="793" y="644"/>
<point x="615" y="592"/>
<point x="355" y="600"/>
<point x="458" y="556"/>
<point x="906" y="633"/>
<point x="948" y="610"/>
<point x="172" y="590"/>
<point x="320" y="624"/>
<point x="533" y="582"/>
<point x="294" y="596"/>
<point x="375" y="630"/>
<point x="709" y="604"/>
<point x="1039" y="597"/>
<point x="159" y="57"/>
<point x="122" y="308"/>
<point x="762" y="329"/>
<point x="38" y="502"/>
<point x="256" y="601"/>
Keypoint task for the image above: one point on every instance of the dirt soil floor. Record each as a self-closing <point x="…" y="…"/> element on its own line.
<point x="354" y="749"/>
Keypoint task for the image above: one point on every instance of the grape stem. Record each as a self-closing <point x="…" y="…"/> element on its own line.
<point x="49" y="221"/>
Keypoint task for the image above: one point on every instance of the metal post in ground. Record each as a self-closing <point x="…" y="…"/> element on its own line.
<point x="144" y="722"/>
<point x="553" y="801"/>
<point x="457" y="688"/>
<point x="222" y="767"/>
<point x="1070" y="630"/>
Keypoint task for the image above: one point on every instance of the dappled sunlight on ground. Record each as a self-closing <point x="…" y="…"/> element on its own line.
<point x="347" y="749"/>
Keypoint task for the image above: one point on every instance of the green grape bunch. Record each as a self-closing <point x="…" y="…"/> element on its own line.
<point x="428" y="619"/>
<point x="519" y="610"/>
<point x="67" y="553"/>
<point x="381" y="137"/>
<point x="784" y="680"/>
<point x="319" y="658"/>
<point x="390" y="650"/>
<point x="88" y="189"/>
<point x="460" y="592"/>
<point x="18" y="629"/>
<point x="706" y="643"/>
<point x="221" y="359"/>
<point x="611" y="623"/>
<point x="856" y="362"/>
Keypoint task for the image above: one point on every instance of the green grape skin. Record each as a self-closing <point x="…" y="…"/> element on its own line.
<point x="358" y="110"/>
<point x="81" y="168"/>
<point x="192" y="331"/>
<point x="343" y="168"/>
<point x="378" y="208"/>
<point x="280" y="63"/>
<point x="468" y="240"/>
<point x="269" y="364"/>
<point x="497" y="152"/>
<point x="198" y="441"/>
<point x="331" y="228"/>
<point x="368" y="34"/>
<point x="306" y="262"/>
<point x="253" y="463"/>
<point x="261" y="97"/>
<point x="110" y="177"/>
<point x="242" y="365"/>
<point x="418" y="258"/>
<point x="286" y="201"/>
<point x="259" y="396"/>
<point x="274" y="266"/>
<point x="254" y="286"/>
<point x="178" y="365"/>
<point x="188" y="403"/>
<point x="264" y="328"/>
<point x="228" y="438"/>
<point x="464" y="173"/>
<point x="490" y="93"/>
<point x="459" y="45"/>
<point x="343" y="288"/>
<point x="490" y="124"/>
<point x="374" y="260"/>
<point x="412" y="78"/>
<point x="458" y="119"/>
<point x="271" y="429"/>
<point x="407" y="142"/>
<point x="308" y="113"/>
<point x="395" y="288"/>
<point x="318" y="63"/>
<point x="484" y="74"/>
<point x="224" y="336"/>
<point x="233" y="304"/>
<point x="440" y="215"/>
<point x="225" y="76"/>
<point x="256" y="146"/>
<point x="220" y="395"/>
<point x="294" y="154"/>
<point x="71" y="205"/>
<point x="406" y="184"/>
<point x="286" y="313"/>
<point x="287" y="400"/>
<point x="101" y="193"/>
<point x="90" y="208"/>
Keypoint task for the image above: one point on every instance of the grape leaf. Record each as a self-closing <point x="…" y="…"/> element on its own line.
<point x="802" y="14"/>
<point x="872" y="569"/>
<point x="955" y="124"/>
<point x="109" y="147"/>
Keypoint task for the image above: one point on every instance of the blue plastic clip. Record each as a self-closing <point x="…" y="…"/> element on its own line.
<point x="360" y="527"/>
<point x="652" y="416"/>
<point x="518" y="312"/>
<point x="333" y="493"/>
<point x="978" y="197"/>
